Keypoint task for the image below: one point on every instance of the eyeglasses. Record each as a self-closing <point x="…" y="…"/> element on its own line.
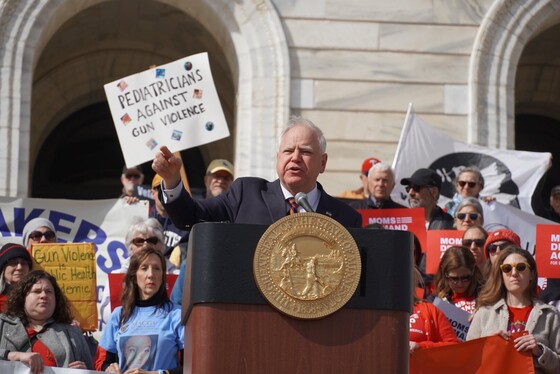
<point x="520" y="267"/>
<point x="414" y="188"/>
<point x="477" y="242"/>
<point x="456" y="280"/>
<point x="463" y="183"/>
<point x="472" y="216"/>
<point x="141" y="241"/>
<point x="132" y="176"/>
<point x="493" y="248"/>
<point x="37" y="235"/>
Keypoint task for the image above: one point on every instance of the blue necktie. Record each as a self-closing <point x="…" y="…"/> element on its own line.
<point x="293" y="205"/>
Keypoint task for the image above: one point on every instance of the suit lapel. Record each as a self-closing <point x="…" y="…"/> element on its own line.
<point x="274" y="200"/>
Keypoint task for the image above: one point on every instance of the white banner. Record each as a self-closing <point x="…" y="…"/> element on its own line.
<point x="175" y="104"/>
<point x="101" y="222"/>
<point x="510" y="176"/>
<point x="16" y="367"/>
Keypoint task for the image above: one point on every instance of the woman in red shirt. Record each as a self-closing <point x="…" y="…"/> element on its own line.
<point x="458" y="279"/>
<point x="429" y="327"/>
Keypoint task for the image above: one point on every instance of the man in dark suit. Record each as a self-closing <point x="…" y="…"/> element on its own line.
<point x="380" y="184"/>
<point x="300" y="158"/>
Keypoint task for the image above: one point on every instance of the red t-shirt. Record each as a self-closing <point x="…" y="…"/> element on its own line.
<point x="518" y="318"/>
<point x="43" y="350"/>
<point x="462" y="301"/>
<point x="418" y="331"/>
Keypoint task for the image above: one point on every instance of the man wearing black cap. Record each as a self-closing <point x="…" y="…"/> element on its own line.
<point x="423" y="192"/>
<point x="553" y="212"/>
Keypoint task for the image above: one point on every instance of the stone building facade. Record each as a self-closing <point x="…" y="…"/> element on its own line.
<point x="475" y="69"/>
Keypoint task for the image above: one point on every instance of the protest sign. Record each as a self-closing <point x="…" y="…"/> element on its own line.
<point x="398" y="219"/>
<point x="492" y="354"/>
<point x="73" y="266"/>
<point x="458" y="318"/>
<point x="101" y="222"/>
<point x="548" y="250"/>
<point x="175" y="104"/>
<point x="510" y="176"/>
<point x="437" y="243"/>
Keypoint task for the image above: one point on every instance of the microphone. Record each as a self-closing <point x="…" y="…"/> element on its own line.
<point x="301" y="199"/>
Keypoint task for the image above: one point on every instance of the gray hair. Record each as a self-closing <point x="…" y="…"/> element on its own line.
<point x="380" y="167"/>
<point x="300" y="121"/>
<point x="471" y="169"/>
<point x="470" y="201"/>
<point x="149" y="226"/>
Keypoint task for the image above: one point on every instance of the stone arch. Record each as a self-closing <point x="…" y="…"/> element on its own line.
<point x="504" y="32"/>
<point x="250" y="34"/>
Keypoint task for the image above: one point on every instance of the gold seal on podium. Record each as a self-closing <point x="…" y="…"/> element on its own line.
<point x="307" y="265"/>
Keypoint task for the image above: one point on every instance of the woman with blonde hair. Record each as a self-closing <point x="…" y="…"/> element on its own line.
<point x="508" y="306"/>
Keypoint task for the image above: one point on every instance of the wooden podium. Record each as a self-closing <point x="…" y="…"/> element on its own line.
<point x="230" y="328"/>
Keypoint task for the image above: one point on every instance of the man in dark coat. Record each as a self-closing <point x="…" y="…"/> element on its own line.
<point x="300" y="158"/>
<point x="380" y="184"/>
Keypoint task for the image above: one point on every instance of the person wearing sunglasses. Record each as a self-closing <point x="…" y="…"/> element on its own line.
<point x="474" y="239"/>
<point x="38" y="230"/>
<point x="458" y="280"/>
<point x="15" y="263"/>
<point x="142" y="233"/>
<point x="497" y="241"/>
<point x="429" y="327"/>
<point x="468" y="213"/>
<point x="468" y="182"/>
<point x="131" y="178"/>
<point x="508" y="306"/>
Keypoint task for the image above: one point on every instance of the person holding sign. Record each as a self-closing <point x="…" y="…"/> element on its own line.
<point x="458" y="279"/>
<point x="300" y="158"/>
<point x="15" y="263"/>
<point x="508" y="306"/>
<point x="145" y="333"/>
<point x="429" y="327"/>
<point x="36" y="329"/>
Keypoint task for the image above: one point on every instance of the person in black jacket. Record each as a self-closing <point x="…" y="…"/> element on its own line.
<point x="380" y="184"/>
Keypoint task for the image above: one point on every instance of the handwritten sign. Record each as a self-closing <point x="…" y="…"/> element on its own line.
<point x="175" y="104"/>
<point x="398" y="219"/>
<point x="438" y="242"/>
<point x="547" y="252"/>
<point x="73" y="266"/>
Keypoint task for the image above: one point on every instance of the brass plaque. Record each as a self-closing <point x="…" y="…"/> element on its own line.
<point x="307" y="265"/>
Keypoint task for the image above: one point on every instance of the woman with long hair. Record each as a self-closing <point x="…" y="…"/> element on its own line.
<point x="145" y="333"/>
<point x="458" y="279"/>
<point x="508" y="306"/>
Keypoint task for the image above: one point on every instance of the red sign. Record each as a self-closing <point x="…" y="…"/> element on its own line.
<point x="438" y="242"/>
<point x="547" y="251"/>
<point x="412" y="220"/>
<point x="492" y="354"/>
<point x="116" y="285"/>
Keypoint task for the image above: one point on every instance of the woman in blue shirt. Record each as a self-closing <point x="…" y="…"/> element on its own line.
<point x="145" y="332"/>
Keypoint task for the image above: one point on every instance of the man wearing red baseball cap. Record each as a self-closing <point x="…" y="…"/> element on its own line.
<point x="361" y="193"/>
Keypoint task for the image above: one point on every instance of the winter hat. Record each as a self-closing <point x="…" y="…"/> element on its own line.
<point x="12" y="250"/>
<point x="33" y="225"/>
<point x="501" y="235"/>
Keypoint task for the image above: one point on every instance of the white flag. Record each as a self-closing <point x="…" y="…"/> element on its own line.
<point x="510" y="176"/>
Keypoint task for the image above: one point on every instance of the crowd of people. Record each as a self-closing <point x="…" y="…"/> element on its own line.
<point x="489" y="276"/>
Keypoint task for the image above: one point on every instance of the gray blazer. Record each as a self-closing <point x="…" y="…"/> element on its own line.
<point x="66" y="342"/>
<point x="543" y="323"/>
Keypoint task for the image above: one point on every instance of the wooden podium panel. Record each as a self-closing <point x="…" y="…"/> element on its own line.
<point x="258" y="339"/>
<point x="230" y="327"/>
